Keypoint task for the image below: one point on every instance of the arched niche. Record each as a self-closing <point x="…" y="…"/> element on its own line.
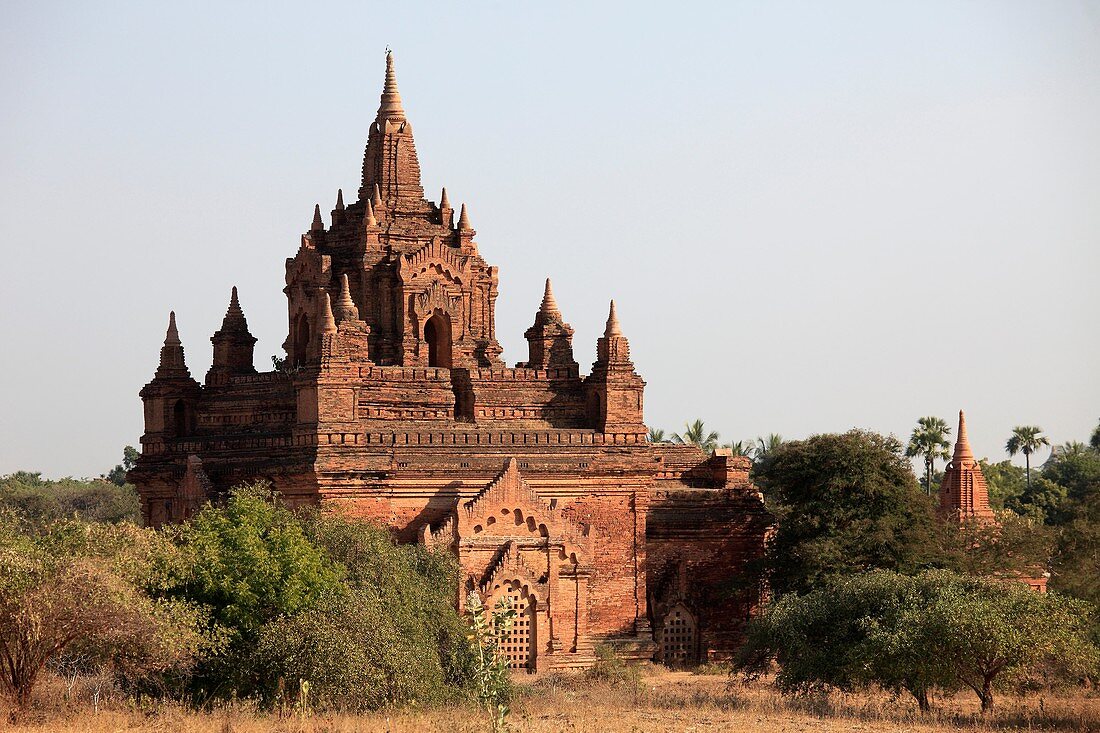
<point x="437" y="337"/>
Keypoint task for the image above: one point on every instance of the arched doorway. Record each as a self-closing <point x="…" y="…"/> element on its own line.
<point x="437" y="335"/>
<point x="301" y="340"/>
<point x="677" y="636"/>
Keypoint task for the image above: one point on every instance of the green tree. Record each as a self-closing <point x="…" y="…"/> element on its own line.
<point x="696" y="434"/>
<point x="656" y="435"/>
<point x="117" y="475"/>
<point x="856" y="631"/>
<point x="1026" y="439"/>
<point x="251" y="563"/>
<point x="73" y="588"/>
<point x="935" y="630"/>
<point x="1076" y="565"/>
<point x="929" y="440"/>
<point x="844" y="503"/>
<point x="1094" y="441"/>
<point x="1006" y="483"/>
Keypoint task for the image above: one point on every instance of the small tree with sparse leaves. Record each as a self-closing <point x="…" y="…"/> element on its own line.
<point x="487" y="631"/>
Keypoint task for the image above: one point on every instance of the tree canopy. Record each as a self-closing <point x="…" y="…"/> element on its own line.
<point x="844" y="503"/>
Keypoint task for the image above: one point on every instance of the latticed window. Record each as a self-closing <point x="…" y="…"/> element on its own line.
<point x="677" y="637"/>
<point x="517" y="646"/>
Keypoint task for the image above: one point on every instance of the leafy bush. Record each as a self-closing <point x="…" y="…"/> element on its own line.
<point x="87" y="591"/>
<point x="389" y="635"/>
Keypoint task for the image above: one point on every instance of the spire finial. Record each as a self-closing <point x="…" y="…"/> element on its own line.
<point x="173" y="335"/>
<point x="444" y="202"/>
<point x="376" y="199"/>
<point x="171" y="354"/>
<point x="464" y="220"/>
<point x="345" y="306"/>
<point x="328" y="322"/>
<point x="370" y="219"/>
<point x="612" y="328"/>
<point x="339" y="199"/>
<point x="549" y="308"/>
<point x="390" y="106"/>
<point x="318" y="224"/>
<point x="962" y="442"/>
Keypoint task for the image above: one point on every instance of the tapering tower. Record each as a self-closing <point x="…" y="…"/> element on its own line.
<point x="390" y="161"/>
<point x="964" y="494"/>
<point x="170" y="399"/>
<point x="415" y="276"/>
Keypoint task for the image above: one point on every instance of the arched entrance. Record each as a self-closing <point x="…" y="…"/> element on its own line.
<point x="437" y="335"/>
<point x="301" y="340"/>
<point x="676" y="639"/>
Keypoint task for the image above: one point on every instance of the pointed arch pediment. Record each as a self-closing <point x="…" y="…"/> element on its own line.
<point x="433" y="259"/>
<point x="508" y="567"/>
<point x="510" y="495"/>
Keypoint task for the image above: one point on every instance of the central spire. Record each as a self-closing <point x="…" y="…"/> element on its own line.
<point x="390" y="105"/>
<point x="390" y="161"/>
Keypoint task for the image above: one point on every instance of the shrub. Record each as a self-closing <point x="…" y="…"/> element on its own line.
<point x="937" y="629"/>
<point x="68" y="588"/>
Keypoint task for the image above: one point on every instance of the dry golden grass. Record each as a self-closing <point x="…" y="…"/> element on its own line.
<point x="662" y="701"/>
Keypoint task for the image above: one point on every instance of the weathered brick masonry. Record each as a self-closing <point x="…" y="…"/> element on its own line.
<point x="395" y="406"/>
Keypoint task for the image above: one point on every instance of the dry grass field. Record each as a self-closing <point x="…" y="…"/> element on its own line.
<point x="661" y="701"/>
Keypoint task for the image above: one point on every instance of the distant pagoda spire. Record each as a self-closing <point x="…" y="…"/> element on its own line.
<point x="172" y="363"/>
<point x="318" y="224"/>
<point x="964" y="494"/>
<point x="962" y="442"/>
<point x="464" y="220"/>
<point x="340" y="199"/>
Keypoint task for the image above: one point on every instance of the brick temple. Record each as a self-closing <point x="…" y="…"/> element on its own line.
<point x="394" y="405"/>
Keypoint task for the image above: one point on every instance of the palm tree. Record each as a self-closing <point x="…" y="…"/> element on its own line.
<point x="1072" y="448"/>
<point x="740" y="448"/>
<point x="764" y="446"/>
<point x="695" y="434"/>
<point x="1026" y="439"/>
<point x="929" y="439"/>
<point x="656" y="435"/>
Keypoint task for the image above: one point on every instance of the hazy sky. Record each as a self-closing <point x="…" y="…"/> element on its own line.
<point x="812" y="216"/>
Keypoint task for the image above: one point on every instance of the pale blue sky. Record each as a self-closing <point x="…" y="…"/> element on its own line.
<point x="812" y="216"/>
